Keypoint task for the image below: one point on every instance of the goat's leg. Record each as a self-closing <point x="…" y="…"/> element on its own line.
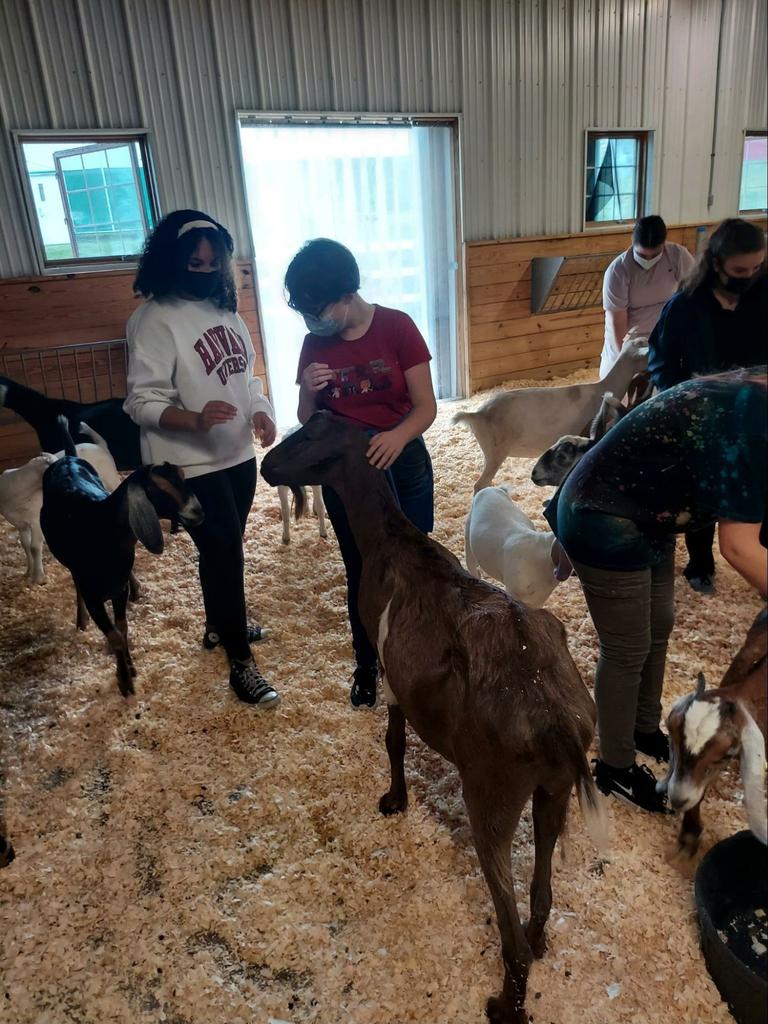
<point x="285" y="512"/>
<point x="35" y="554"/>
<point x="318" y="509"/>
<point x="119" y="606"/>
<point x="6" y="850"/>
<point x="396" y="798"/>
<point x="690" y="832"/>
<point x="549" y="811"/>
<point x="494" y="821"/>
<point x="134" y="588"/>
<point x="117" y="643"/>
<point x="493" y="461"/>
<point x="25" y="536"/>
<point x="81" y="613"/>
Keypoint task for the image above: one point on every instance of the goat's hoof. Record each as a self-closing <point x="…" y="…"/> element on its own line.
<point x="498" y="1011"/>
<point x="286" y="541"/>
<point x="125" y="684"/>
<point x="392" y="804"/>
<point x="537" y="942"/>
<point x="7" y="853"/>
<point x="683" y="854"/>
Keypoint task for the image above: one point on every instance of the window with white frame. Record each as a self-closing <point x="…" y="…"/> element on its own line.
<point x="90" y="196"/>
<point x="616" y="176"/>
<point x="753" y="194"/>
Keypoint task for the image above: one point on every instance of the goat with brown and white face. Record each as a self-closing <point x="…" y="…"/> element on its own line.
<point x="94" y="535"/>
<point x="708" y="728"/>
<point x="485" y="681"/>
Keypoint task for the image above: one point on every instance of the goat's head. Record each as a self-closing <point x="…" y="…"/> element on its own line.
<point x="557" y="462"/>
<point x="635" y="350"/>
<point x="160" y="492"/>
<point x="706" y="729"/>
<point x="315" y="454"/>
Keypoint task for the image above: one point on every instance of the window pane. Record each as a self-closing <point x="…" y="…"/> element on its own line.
<point x="612" y="178"/>
<point x="754" y="174"/>
<point x="90" y="197"/>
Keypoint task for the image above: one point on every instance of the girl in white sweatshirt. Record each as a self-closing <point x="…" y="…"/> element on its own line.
<point x="192" y="392"/>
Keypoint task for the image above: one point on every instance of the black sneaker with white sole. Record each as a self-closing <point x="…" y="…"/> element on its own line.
<point x="363" y="692"/>
<point x="653" y="744"/>
<point x="636" y="785"/>
<point x="211" y="638"/>
<point x="251" y="686"/>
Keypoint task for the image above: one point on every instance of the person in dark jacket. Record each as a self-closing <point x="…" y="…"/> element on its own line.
<point x="692" y="456"/>
<point x="716" y="322"/>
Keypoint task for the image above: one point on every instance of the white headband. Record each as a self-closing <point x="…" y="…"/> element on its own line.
<point x="195" y="224"/>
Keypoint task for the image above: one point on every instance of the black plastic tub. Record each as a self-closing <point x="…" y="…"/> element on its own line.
<point x="731" y="892"/>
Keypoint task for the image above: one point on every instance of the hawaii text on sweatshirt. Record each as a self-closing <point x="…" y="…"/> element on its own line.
<point x="185" y="353"/>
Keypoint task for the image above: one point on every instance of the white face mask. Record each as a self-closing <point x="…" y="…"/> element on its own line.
<point x="643" y="262"/>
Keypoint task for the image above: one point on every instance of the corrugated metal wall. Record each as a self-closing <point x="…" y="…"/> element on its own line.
<point x="529" y="76"/>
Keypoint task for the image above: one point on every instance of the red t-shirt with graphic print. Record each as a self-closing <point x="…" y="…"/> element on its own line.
<point x="370" y="387"/>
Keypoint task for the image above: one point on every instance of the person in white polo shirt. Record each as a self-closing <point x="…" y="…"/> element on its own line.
<point x="638" y="284"/>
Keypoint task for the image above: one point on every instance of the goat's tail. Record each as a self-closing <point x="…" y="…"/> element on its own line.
<point x="464" y="417"/>
<point x="69" y="444"/>
<point x="94" y="436"/>
<point x="592" y="807"/>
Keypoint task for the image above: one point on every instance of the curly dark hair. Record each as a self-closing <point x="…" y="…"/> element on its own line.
<point x="734" y="237"/>
<point x="320" y="273"/>
<point x="165" y="255"/>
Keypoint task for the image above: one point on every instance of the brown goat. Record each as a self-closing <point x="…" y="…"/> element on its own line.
<point x="708" y="727"/>
<point x="486" y="682"/>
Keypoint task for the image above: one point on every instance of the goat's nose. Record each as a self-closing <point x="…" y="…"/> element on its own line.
<point x="662" y="786"/>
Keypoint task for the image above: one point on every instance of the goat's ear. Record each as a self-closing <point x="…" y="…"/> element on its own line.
<point x="609" y="414"/>
<point x="560" y="560"/>
<point x="143" y="518"/>
<point x="701" y="685"/>
<point x="753" y="777"/>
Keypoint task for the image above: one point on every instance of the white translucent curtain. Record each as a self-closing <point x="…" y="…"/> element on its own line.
<point x="384" y="192"/>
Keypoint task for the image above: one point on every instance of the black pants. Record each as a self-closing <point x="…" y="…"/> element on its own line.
<point x="701" y="561"/>
<point x="226" y="497"/>
<point x="411" y="481"/>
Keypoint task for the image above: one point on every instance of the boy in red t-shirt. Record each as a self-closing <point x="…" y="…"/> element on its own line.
<point x="370" y="365"/>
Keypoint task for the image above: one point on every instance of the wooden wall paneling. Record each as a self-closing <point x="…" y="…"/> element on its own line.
<point x="49" y="312"/>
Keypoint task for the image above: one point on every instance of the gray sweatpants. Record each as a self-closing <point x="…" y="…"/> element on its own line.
<point x="633" y="613"/>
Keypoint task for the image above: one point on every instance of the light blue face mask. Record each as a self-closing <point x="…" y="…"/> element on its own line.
<point x="325" y="328"/>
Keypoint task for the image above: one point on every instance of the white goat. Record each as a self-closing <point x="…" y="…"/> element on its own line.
<point x="525" y="422"/>
<point x="21" y="495"/>
<point x="501" y="540"/>
<point x="318" y="505"/>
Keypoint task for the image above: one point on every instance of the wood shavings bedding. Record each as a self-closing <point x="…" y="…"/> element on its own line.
<point x="182" y="858"/>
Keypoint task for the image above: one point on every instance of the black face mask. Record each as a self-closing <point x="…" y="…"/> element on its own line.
<point x="739" y="285"/>
<point x="201" y="284"/>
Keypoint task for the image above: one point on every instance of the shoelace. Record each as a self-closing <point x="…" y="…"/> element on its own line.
<point x="253" y="681"/>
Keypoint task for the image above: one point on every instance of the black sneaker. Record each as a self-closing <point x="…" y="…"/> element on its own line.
<point x="702" y="584"/>
<point x="653" y="744"/>
<point x="251" y="686"/>
<point x="636" y="785"/>
<point x="211" y="638"/>
<point x="363" y="692"/>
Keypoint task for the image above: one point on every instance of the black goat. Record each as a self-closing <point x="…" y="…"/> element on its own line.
<point x="94" y="535"/>
<point x="485" y="681"/>
<point x="106" y="418"/>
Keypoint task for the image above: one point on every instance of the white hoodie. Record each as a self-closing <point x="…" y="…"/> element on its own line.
<point x="184" y="353"/>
